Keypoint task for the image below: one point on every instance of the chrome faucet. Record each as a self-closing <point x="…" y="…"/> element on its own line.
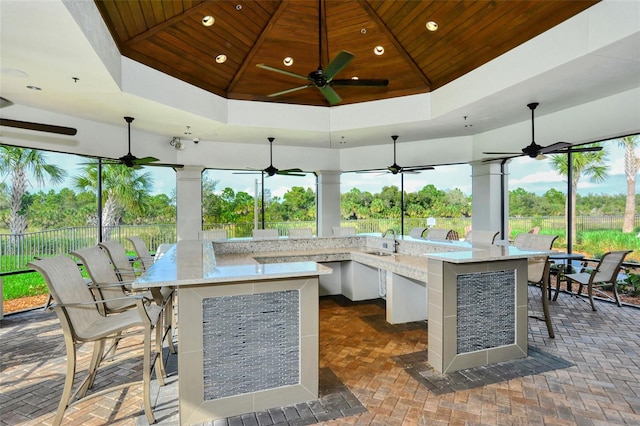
<point x="384" y="234"/>
<point x="394" y="249"/>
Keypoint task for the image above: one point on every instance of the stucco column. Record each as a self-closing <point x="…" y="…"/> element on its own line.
<point x="189" y="202"/>
<point x="328" y="194"/>
<point x="490" y="197"/>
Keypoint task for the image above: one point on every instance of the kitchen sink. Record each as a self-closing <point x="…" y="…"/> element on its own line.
<point x="380" y="253"/>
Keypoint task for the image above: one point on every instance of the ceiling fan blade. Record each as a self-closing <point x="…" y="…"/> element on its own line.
<point x="486" y="160"/>
<point x="338" y="63"/>
<point x="287" y="173"/>
<point x="417" y="168"/>
<point x="330" y="94"/>
<point x="502" y="153"/>
<point x="553" y="147"/>
<point x="5" y="102"/>
<point x="40" y="127"/>
<point x="278" y="70"/>
<point x="174" y="166"/>
<point x="294" y="89"/>
<point x="369" y="82"/>
<point x="572" y="150"/>
<point x="145" y="160"/>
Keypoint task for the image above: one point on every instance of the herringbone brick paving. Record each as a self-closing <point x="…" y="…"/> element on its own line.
<point x="602" y="387"/>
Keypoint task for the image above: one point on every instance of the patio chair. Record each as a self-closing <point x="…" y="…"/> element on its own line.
<point x="214" y="235"/>
<point x="538" y="274"/>
<point x="605" y="274"/>
<point x="161" y="250"/>
<point x="105" y="283"/>
<point x="120" y="261"/>
<point x="300" y="233"/>
<point x="82" y="323"/>
<point x="437" y="234"/>
<point x="344" y="231"/>
<point x="126" y="273"/>
<point x="417" y="232"/>
<point x="481" y="237"/>
<point x="265" y="234"/>
<point x="538" y="269"/>
<point x="143" y="256"/>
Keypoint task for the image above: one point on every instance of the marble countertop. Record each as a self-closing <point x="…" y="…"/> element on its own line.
<point x="485" y="253"/>
<point x="191" y="262"/>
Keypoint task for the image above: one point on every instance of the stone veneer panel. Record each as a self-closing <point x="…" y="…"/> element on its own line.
<point x="250" y="343"/>
<point x="486" y="310"/>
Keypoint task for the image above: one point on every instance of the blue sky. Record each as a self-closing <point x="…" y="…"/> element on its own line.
<point x="535" y="176"/>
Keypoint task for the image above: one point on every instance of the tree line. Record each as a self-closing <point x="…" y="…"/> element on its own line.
<point x="126" y="197"/>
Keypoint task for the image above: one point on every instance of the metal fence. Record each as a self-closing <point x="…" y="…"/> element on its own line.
<point x="17" y="250"/>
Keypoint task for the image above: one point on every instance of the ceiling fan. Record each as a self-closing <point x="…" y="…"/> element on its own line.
<point x="271" y="170"/>
<point x="129" y="159"/>
<point x="28" y="125"/>
<point x="534" y="150"/>
<point x="323" y="78"/>
<point x="395" y="168"/>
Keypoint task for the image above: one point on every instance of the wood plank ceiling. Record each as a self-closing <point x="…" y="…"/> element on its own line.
<point x="170" y="37"/>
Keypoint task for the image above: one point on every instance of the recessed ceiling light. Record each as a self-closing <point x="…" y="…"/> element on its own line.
<point x="208" y="20"/>
<point x="238" y="7"/>
<point x="33" y="88"/>
<point x="363" y="31"/>
<point x="432" y="25"/>
<point x="221" y="58"/>
<point x="288" y="61"/>
<point x="378" y="50"/>
<point x="355" y="77"/>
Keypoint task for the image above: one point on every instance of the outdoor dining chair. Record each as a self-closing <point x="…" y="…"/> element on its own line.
<point x="417" y="232"/>
<point x="104" y="281"/>
<point x="120" y="260"/>
<point x="344" y="231"/>
<point x="538" y="269"/>
<point x="82" y="323"/>
<point x="605" y="274"/>
<point x="300" y="233"/>
<point x="481" y="237"/>
<point x="213" y="234"/>
<point x="126" y="272"/>
<point x="438" y="234"/>
<point x="265" y="234"/>
<point x="142" y="252"/>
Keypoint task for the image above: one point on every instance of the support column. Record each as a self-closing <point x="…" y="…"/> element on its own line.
<point x="490" y="198"/>
<point x="189" y="202"/>
<point x="328" y="194"/>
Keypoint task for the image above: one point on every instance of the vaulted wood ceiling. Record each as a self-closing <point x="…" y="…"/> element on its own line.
<point x="170" y="37"/>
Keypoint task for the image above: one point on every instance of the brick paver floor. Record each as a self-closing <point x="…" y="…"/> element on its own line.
<point x="371" y="374"/>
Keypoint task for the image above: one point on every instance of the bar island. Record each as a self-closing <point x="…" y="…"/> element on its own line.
<point x="248" y="335"/>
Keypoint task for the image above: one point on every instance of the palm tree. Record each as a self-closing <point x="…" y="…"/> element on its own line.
<point x="122" y="188"/>
<point x="631" y="170"/>
<point x="17" y="163"/>
<point x="588" y="164"/>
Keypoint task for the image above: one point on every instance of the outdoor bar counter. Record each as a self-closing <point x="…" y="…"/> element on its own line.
<point x="235" y="304"/>
<point x="248" y="334"/>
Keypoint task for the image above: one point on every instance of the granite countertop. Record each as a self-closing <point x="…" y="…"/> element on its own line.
<point x="191" y="262"/>
<point x="485" y="253"/>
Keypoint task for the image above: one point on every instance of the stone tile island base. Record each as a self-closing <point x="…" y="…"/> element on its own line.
<point x="477" y="313"/>
<point x="246" y="347"/>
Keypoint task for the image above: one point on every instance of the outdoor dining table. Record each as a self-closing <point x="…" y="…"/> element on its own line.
<point x="563" y="260"/>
